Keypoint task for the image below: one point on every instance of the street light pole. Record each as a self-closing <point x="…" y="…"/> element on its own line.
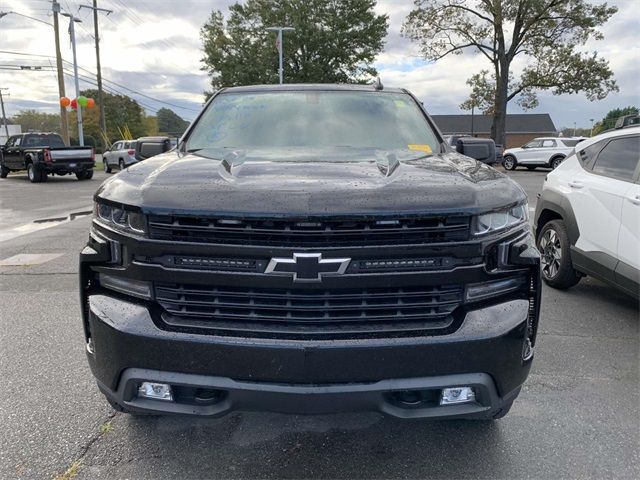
<point x="280" y="47"/>
<point x="591" y="133"/>
<point x="72" y="32"/>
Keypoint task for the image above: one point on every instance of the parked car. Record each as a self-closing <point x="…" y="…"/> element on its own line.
<point x="311" y="248"/>
<point x="540" y="152"/>
<point x="42" y="154"/>
<point x="587" y="219"/>
<point x="120" y="155"/>
<point x="485" y="148"/>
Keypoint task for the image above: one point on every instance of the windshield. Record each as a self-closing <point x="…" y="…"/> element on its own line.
<point x="43" y="140"/>
<point x="571" y="143"/>
<point x="314" y="120"/>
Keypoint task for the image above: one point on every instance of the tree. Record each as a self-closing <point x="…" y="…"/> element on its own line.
<point x="169" y="122"/>
<point x="548" y="34"/>
<point x="119" y="110"/>
<point x="333" y="42"/>
<point x="609" y="121"/>
<point x="34" y="120"/>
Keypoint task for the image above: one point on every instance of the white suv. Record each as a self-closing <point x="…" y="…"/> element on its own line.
<point x="540" y="152"/>
<point x="587" y="219"/>
<point x="120" y="155"/>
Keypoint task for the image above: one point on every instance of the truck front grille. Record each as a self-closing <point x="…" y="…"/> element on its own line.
<point x="339" y="313"/>
<point x="310" y="232"/>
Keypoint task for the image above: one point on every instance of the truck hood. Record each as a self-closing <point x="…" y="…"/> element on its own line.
<point x="296" y="184"/>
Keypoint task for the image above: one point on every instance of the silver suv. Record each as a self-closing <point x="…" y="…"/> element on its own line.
<point x="120" y="155"/>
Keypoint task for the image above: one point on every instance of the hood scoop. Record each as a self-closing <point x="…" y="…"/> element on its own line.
<point x="387" y="162"/>
<point x="232" y="162"/>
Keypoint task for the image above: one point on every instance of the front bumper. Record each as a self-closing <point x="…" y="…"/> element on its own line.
<point x="489" y="347"/>
<point x="309" y="377"/>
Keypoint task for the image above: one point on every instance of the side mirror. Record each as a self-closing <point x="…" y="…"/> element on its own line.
<point x="481" y="149"/>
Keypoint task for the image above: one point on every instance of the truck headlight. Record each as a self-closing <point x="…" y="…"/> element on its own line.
<point x="120" y="219"/>
<point x="501" y="220"/>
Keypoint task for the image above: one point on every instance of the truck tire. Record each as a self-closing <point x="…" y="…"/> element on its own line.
<point x="34" y="173"/>
<point x="84" y="175"/>
<point x="107" y="168"/>
<point x="121" y="165"/>
<point x="509" y="162"/>
<point x="4" y="171"/>
<point x="555" y="256"/>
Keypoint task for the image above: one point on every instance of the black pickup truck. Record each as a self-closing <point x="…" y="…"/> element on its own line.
<point x="311" y="249"/>
<point x="43" y="154"/>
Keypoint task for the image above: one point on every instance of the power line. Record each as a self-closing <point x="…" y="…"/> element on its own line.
<point x="108" y="81"/>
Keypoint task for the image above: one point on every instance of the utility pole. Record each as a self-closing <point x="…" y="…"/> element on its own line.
<point x="103" y="122"/>
<point x="280" y="46"/>
<point x="591" y="133"/>
<point x="64" y="125"/>
<point x="72" y="32"/>
<point x="4" y="116"/>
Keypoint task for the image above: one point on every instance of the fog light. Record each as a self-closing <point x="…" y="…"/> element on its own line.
<point x="453" y="396"/>
<point x="156" y="391"/>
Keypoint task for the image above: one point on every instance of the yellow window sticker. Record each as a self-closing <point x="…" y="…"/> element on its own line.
<point x="400" y="103"/>
<point x="420" y="147"/>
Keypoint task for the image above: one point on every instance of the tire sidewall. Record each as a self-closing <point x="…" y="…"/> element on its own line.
<point x="31" y="173"/>
<point x="566" y="276"/>
<point x="555" y="163"/>
<point x="509" y="160"/>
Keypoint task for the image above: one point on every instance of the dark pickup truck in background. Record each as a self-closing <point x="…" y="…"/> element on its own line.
<point x="41" y="154"/>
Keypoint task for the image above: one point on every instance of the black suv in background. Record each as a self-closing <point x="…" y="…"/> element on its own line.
<point x="311" y="249"/>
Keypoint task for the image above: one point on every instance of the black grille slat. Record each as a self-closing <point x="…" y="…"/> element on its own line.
<point x="365" y="310"/>
<point x="310" y="232"/>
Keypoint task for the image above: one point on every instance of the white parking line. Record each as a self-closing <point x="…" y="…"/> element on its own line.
<point x="27" y="259"/>
<point x="38" y="225"/>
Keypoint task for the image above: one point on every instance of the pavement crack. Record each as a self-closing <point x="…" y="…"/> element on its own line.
<point x="77" y="463"/>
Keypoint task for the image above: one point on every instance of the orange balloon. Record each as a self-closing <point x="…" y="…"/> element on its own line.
<point x="65" y="102"/>
<point x="91" y="103"/>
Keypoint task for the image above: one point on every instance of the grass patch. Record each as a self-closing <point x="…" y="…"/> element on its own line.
<point x="71" y="472"/>
<point x="106" y="427"/>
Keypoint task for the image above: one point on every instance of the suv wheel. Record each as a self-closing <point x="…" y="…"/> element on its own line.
<point x="34" y="174"/>
<point x="555" y="163"/>
<point x="107" y="168"/>
<point x="509" y="163"/>
<point x="121" y="164"/>
<point x="555" y="256"/>
<point x="4" y="171"/>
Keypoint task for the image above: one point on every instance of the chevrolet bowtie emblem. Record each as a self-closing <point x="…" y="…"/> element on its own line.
<point x="307" y="267"/>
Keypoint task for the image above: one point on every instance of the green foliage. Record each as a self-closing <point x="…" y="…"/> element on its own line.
<point x="170" y="123"/>
<point x="120" y="110"/>
<point x="609" y="120"/>
<point x="547" y="34"/>
<point x="38" y="121"/>
<point x="333" y="42"/>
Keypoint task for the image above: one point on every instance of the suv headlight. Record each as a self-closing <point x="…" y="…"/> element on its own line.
<point x="120" y="219"/>
<point x="501" y="219"/>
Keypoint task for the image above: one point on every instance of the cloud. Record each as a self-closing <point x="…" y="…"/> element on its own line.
<point x="154" y="47"/>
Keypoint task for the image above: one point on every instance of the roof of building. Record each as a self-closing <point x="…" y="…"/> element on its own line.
<point x="516" y="123"/>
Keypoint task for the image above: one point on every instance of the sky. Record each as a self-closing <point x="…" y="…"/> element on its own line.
<point x="151" y="50"/>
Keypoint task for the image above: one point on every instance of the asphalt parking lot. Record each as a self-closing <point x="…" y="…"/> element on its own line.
<point x="577" y="417"/>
